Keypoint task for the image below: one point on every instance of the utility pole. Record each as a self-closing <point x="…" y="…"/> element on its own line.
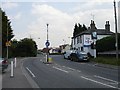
<point x="116" y="34"/>
<point x="7" y="40"/>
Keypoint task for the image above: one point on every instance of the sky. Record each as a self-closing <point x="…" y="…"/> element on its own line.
<point x="29" y="18"/>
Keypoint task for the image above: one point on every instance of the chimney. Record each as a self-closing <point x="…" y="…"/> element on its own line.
<point x="92" y="25"/>
<point x="107" y="26"/>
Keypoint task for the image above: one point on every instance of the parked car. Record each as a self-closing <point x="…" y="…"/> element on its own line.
<point x="79" y="56"/>
<point x="3" y="64"/>
<point x="67" y="54"/>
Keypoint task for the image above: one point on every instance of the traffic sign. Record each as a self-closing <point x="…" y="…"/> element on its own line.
<point x="47" y="43"/>
<point x="8" y="43"/>
<point x="94" y="35"/>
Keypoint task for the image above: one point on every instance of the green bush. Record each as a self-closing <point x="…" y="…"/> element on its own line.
<point x="107" y="43"/>
<point x="107" y="60"/>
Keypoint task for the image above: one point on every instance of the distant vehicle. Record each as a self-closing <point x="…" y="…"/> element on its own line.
<point x="67" y="54"/>
<point x="79" y="56"/>
<point x="3" y="64"/>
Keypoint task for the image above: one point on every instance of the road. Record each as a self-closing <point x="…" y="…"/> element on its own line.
<point x="64" y="73"/>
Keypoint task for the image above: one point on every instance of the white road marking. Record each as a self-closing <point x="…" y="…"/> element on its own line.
<point x="71" y="68"/>
<point x="106" y="79"/>
<point x="68" y="68"/>
<point x="30" y="72"/>
<point x="97" y="82"/>
<point x="60" y="69"/>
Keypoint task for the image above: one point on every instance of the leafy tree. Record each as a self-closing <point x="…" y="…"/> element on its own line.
<point x="26" y="48"/>
<point x="107" y="44"/>
<point x="13" y="47"/>
<point x="6" y="27"/>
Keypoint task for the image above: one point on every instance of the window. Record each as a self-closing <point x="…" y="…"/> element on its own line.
<point x="80" y="39"/>
<point x="81" y="48"/>
<point x="74" y="41"/>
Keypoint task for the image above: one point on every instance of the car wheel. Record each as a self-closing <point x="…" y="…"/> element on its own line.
<point x="71" y="58"/>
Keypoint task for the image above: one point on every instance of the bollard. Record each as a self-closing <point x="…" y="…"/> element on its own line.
<point x="15" y="63"/>
<point x="46" y="57"/>
<point x="50" y="60"/>
<point x="11" y="75"/>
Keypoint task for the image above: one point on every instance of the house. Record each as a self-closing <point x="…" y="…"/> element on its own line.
<point x="55" y="50"/>
<point x="83" y="40"/>
<point x="65" y="47"/>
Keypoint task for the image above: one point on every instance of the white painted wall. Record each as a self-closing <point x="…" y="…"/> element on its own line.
<point x="87" y="40"/>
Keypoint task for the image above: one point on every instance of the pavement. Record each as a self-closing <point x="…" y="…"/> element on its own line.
<point x="21" y="78"/>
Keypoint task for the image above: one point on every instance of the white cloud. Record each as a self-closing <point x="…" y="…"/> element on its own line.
<point x="61" y="24"/>
<point x="56" y="0"/>
<point x="9" y="5"/>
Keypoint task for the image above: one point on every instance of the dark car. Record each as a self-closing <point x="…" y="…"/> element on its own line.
<point x="3" y="64"/>
<point x="79" y="56"/>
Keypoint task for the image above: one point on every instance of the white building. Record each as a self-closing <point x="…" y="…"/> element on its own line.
<point x="83" y="40"/>
<point x="65" y="47"/>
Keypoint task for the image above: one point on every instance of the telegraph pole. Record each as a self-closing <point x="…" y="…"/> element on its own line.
<point x="7" y="40"/>
<point x="116" y="33"/>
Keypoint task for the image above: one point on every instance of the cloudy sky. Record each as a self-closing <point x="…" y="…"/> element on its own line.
<point x="29" y="18"/>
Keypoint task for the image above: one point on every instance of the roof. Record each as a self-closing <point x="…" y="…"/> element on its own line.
<point x="99" y="32"/>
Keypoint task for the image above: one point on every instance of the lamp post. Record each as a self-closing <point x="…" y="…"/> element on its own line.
<point x="116" y="34"/>
<point x="47" y="42"/>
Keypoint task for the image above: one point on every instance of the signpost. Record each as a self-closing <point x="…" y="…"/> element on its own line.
<point x="47" y="43"/>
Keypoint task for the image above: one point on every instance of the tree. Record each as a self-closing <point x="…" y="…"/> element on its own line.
<point x="6" y="27"/>
<point x="26" y="48"/>
<point x="107" y="44"/>
<point x="79" y="29"/>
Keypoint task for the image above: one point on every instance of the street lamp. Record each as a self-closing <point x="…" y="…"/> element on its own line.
<point x="47" y="42"/>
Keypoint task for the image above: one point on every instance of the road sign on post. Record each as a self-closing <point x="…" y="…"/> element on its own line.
<point x="8" y="43"/>
<point x="47" y="43"/>
<point x="94" y="37"/>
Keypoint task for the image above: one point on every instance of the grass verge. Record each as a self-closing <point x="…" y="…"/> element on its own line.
<point x="107" y="60"/>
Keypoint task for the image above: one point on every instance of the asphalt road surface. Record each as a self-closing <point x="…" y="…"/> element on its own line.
<point x="64" y="73"/>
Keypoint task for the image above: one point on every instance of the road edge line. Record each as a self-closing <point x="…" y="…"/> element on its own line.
<point x="30" y="80"/>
